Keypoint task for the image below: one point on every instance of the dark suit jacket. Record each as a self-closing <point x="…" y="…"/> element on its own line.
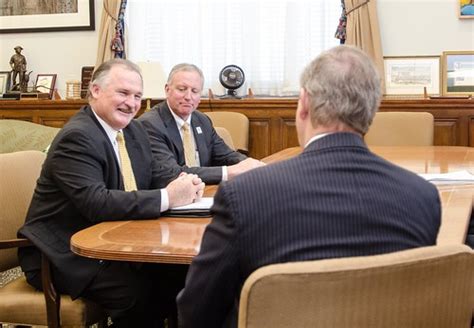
<point x="336" y="199"/>
<point x="167" y="145"/>
<point x="80" y="185"/>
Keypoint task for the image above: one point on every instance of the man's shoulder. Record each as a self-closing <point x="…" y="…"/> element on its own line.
<point x="154" y="114"/>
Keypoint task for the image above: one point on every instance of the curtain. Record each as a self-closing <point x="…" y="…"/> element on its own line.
<point x="362" y="30"/>
<point x="107" y="32"/>
<point x="341" y="28"/>
<point x="271" y="40"/>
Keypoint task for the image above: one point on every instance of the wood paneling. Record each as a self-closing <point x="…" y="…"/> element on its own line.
<point x="272" y="120"/>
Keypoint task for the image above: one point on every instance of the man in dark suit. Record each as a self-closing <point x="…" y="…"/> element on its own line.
<point x="84" y="181"/>
<point x="336" y="199"/>
<point x="212" y="159"/>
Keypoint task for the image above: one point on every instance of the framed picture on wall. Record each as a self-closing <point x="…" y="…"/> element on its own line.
<point x="410" y="75"/>
<point x="466" y="8"/>
<point x="46" y="16"/>
<point x="458" y="73"/>
<point x="45" y="83"/>
<point x="4" y="82"/>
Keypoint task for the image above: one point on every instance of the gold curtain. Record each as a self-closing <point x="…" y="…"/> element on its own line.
<point x="363" y="31"/>
<point x="108" y="20"/>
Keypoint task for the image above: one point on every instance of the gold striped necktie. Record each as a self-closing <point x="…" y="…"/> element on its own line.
<point x="189" y="152"/>
<point x="126" y="166"/>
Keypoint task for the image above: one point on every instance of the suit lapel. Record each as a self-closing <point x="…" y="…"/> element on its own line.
<point x="173" y="133"/>
<point x="199" y="138"/>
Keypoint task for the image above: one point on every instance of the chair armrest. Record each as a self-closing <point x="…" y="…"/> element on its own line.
<point x="14" y="243"/>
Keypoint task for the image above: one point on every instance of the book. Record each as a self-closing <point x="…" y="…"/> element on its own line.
<point x="457" y="177"/>
<point x="202" y="208"/>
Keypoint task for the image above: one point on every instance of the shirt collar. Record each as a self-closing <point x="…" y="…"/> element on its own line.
<point x="111" y="133"/>
<point x="316" y="137"/>
<point x="179" y="121"/>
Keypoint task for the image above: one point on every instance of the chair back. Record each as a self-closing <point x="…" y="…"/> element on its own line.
<point x="225" y="135"/>
<point x="236" y="123"/>
<point x="401" y="129"/>
<point x="424" y="287"/>
<point x="17" y="135"/>
<point x="19" y="172"/>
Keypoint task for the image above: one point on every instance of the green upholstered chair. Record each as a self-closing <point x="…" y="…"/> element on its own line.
<point x="17" y="135"/>
<point x="20" y="303"/>
<point x="423" y="287"/>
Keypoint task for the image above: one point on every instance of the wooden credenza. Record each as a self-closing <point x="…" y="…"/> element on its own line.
<point x="272" y="120"/>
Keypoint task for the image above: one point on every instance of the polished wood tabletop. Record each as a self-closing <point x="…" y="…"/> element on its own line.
<point x="177" y="240"/>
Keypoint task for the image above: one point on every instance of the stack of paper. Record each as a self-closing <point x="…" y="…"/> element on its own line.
<point x="458" y="177"/>
<point x="197" y="209"/>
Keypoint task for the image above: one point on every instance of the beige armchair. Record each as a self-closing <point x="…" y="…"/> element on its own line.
<point x="225" y="135"/>
<point x="425" y="287"/>
<point x="238" y="126"/>
<point x="19" y="302"/>
<point x="19" y="135"/>
<point x="401" y="129"/>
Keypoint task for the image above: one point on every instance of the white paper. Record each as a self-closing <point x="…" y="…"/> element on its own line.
<point x="458" y="177"/>
<point x="204" y="204"/>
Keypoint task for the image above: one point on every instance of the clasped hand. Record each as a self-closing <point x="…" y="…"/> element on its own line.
<point x="185" y="189"/>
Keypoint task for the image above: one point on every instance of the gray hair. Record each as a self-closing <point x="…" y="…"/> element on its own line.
<point x="101" y="73"/>
<point x="343" y="86"/>
<point x="185" y="67"/>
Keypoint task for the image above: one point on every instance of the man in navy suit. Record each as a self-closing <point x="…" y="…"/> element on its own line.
<point x="215" y="161"/>
<point x="336" y="199"/>
<point x="81" y="184"/>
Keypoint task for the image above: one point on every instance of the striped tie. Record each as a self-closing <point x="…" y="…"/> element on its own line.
<point x="127" y="172"/>
<point x="189" y="152"/>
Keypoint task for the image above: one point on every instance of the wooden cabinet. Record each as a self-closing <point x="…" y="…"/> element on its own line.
<point x="272" y="120"/>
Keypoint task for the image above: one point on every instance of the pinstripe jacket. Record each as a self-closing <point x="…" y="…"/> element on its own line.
<point x="336" y="199"/>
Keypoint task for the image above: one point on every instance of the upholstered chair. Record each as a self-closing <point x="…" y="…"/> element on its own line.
<point x="423" y="287"/>
<point x="20" y="303"/>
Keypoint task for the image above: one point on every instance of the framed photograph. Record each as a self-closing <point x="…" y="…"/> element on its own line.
<point x="4" y="82"/>
<point x="466" y="8"/>
<point x="45" y="83"/>
<point x="458" y="73"/>
<point x="47" y="16"/>
<point x="410" y="75"/>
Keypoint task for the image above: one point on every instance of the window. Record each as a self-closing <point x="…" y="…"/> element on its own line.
<point x="271" y="40"/>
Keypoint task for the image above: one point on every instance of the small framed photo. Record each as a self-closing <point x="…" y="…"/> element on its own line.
<point x="466" y="9"/>
<point x="45" y="83"/>
<point x="458" y="73"/>
<point x="411" y="75"/>
<point x="4" y="82"/>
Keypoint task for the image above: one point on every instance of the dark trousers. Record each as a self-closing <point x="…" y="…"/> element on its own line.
<point x="133" y="295"/>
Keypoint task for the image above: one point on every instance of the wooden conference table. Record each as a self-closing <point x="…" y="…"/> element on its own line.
<point x="177" y="240"/>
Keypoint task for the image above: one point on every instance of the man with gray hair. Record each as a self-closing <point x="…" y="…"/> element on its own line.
<point x="100" y="168"/>
<point x="336" y="199"/>
<point x="175" y="123"/>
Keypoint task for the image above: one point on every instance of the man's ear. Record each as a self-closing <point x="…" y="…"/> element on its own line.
<point x="303" y="105"/>
<point x="94" y="90"/>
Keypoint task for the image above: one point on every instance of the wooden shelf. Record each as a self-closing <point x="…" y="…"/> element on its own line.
<point x="272" y="120"/>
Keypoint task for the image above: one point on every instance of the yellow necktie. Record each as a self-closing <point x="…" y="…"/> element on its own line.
<point x="189" y="152"/>
<point x="127" y="172"/>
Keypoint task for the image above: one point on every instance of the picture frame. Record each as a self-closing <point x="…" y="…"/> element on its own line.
<point x="410" y="75"/>
<point x="466" y="9"/>
<point x="45" y="83"/>
<point x="4" y="82"/>
<point x="458" y="73"/>
<point x="80" y="20"/>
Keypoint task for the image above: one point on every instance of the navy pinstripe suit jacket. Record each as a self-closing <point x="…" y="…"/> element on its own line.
<point x="336" y="199"/>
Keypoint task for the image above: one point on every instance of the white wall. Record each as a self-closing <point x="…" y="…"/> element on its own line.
<point x="423" y="27"/>
<point x="61" y="53"/>
<point x="408" y="27"/>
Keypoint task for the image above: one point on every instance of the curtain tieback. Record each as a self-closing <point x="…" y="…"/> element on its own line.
<point x="348" y="11"/>
<point x="106" y="8"/>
